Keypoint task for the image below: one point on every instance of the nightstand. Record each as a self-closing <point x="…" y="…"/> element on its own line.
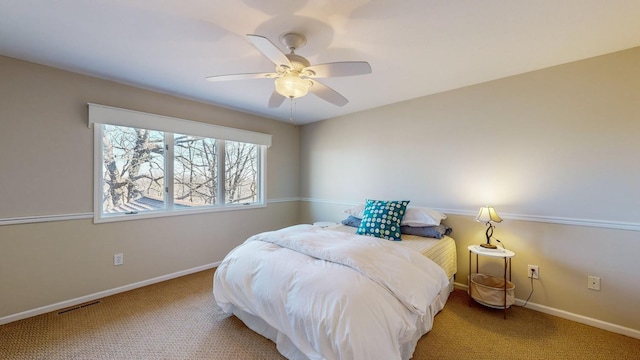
<point x="500" y="288"/>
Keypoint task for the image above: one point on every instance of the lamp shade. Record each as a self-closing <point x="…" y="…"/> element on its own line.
<point x="292" y="86"/>
<point x="487" y="214"/>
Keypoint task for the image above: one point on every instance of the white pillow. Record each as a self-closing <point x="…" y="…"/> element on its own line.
<point x="356" y="211"/>
<point x="414" y="216"/>
<point x="421" y="216"/>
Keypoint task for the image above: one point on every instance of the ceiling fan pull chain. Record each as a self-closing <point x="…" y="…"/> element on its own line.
<point x="293" y="111"/>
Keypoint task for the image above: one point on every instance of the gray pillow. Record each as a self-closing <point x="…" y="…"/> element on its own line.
<point x="352" y="221"/>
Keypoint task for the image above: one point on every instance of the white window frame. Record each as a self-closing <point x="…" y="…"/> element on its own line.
<point x="107" y="115"/>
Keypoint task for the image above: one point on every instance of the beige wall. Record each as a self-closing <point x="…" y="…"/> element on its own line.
<point x="46" y="169"/>
<point x="547" y="148"/>
<point x="557" y="145"/>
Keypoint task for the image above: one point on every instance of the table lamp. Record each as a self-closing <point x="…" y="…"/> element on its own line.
<point x="488" y="215"/>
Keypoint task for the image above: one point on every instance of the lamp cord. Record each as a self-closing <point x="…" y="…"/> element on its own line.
<point x="527" y="301"/>
<point x="531" y="293"/>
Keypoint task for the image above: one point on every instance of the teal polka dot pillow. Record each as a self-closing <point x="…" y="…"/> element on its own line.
<point x="382" y="219"/>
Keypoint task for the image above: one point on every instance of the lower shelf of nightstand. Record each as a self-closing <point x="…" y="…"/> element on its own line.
<point x="489" y="291"/>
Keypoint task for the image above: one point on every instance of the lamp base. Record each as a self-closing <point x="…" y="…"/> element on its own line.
<point x="488" y="246"/>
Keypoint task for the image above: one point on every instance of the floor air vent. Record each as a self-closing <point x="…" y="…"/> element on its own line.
<point x="78" y="307"/>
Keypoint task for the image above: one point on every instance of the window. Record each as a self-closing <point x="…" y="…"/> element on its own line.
<point x="148" y="165"/>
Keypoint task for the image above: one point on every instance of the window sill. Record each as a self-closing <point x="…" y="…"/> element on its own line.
<point x="107" y="218"/>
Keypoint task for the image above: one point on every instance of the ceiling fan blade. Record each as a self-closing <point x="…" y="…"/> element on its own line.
<point x="345" y="68"/>
<point x="268" y="49"/>
<point x="328" y="94"/>
<point x="276" y="100"/>
<point x="242" y="76"/>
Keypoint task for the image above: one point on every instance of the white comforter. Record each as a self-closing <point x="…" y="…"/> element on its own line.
<point x="332" y="295"/>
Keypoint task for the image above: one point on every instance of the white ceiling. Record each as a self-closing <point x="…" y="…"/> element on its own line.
<point x="415" y="47"/>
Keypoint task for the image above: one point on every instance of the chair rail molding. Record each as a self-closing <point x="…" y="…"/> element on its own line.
<point x="606" y="224"/>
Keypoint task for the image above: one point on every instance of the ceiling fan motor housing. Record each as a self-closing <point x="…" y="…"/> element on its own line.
<point x="293" y="41"/>
<point x="298" y="62"/>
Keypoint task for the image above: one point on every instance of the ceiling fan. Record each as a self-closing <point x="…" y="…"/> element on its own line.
<point x="294" y="75"/>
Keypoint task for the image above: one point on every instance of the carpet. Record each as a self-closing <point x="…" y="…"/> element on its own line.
<point x="178" y="319"/>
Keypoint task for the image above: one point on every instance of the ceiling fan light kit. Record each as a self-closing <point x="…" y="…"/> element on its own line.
<point x="295" y="76"/>
<point x="292" y="86"/>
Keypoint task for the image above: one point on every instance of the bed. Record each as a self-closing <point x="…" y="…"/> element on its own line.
<point x="330" y="294"/>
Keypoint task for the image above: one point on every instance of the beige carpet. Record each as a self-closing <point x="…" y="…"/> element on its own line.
<point x="178" y="319"/>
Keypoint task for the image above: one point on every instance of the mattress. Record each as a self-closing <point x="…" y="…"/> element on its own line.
<point x="441" y="251"/>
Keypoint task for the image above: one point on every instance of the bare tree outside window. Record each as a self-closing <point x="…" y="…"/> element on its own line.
<point x="195" y="171"/>
<point x="133" y="168"/>
<point x="241" y="172"/>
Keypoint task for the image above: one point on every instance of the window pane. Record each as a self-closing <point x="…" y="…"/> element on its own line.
<point x="241" y="173"/>
<point x="195" y="171"/>
<point x="132" y="170"/>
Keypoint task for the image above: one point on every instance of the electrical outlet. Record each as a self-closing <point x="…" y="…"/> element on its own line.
<point x="593" y="282"/>
<point x="118" y="259"/>
<point x="533" y="271"/>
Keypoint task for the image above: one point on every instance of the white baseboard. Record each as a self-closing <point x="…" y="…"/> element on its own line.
<point x="571" y="316"/>
<point x="102" y="294"/>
